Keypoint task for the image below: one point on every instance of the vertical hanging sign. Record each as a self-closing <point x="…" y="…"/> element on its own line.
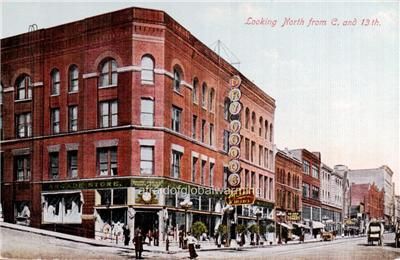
<point x="234" y="126"/>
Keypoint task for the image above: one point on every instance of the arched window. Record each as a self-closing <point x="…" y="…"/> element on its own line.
<point x="55" y="82"/>
<point x="24" y="87"/>
<point x="195" y="91"/>
<point x="261" y="121"/>
<point x="270" y="133"/>
<point x="177" y="78"/>
<point x="247" y="118"/>
<point x="266" y="129"/>
<point x="253" y="121"/>
<point x="108" y="73"/>
<point x="73" y="78"/>
<point x="211" y="100"/>
<point x="226" y="108"/>
<point x="204" y="95"/>
<point x="147" y="75"/>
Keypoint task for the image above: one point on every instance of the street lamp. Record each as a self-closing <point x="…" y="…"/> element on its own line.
<point x="186" y="204"/>
<point x="165" y="220"/>
<point x="258" y="215"/>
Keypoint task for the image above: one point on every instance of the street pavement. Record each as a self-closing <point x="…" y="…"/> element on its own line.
<point x="17" y="244"/>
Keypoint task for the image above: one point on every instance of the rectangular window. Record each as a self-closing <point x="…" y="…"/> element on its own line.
<point x="176" y="164"/>
<point x="62" y="208"/>
<point x="225" y="178"/>
<point x="211" y="134"/>
<point x="72" y="164"/>
<point x="252" y="151"/>
<point x="253" y="179"/>
<point x="203" y="171"/>
<point x="176" y="119"/>
<point x="271" y="188"/>
<point x="108" y="113"/>
<point x="306" y="190"/>
<point x="53" y="166"/>
<point x="107" y="161"/>
<point x="315" y="172"/>
<point x="146" y="159"/>
<point x="55" y="120"/>
<point x="271" y="158"/>
<point x="315" y="192"/>
<point x="73" y="118"/>
<point x="194" y="168"/>
<point x="147" y="112"/>
<point x="266" y="158"/>
<point x="211" y="174"/>
<point x="194" y="126"/>
<point x="260" y="155"/>
<point x="306" y="167"/>
<point x="203" y="130"/>
<point x="260" y="185"/>
<point x="265" y="187"/>
<point x="246" y="178"/>
<point x="247" y="149"/>
<point x="225" y="146"/>
<point x="22" y="168"/>
<point x="24" y="125"/>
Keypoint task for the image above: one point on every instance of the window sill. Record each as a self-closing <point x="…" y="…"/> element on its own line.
<point x="204" y="107"/>
<point x="147" y="83"/>
<point x="54" y="95"/>
<point x="73" y="92"/>
<point x="177" y="92"/>
<point x="22" y="181"/>
<point x="109" y="86"/>
<point x="23" y="100"/>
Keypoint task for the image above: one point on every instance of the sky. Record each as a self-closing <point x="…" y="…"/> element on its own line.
<point x="336" y="86"/>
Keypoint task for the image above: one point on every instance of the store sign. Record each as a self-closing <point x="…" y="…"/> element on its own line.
<point x="293" y="216"/>
<point x="235" y="126"/>
<point x="235" y="107"/>
<point x="240" y="196"/>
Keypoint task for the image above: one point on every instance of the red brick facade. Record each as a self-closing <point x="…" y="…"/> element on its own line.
<point x="288" y="182"/>
<point x="370" y="197"/>
<point x="125" y="37"/>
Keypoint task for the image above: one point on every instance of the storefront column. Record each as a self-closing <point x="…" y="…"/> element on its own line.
<point x="131" y="222"/>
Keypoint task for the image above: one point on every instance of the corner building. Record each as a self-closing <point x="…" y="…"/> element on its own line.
<point x="107" y="119"/>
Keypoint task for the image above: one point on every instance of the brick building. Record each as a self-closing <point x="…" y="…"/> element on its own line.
<point x="311" y="203"/>
<point x="382" y="177"/>
<point x="368" y="200"/>
<point x="288" y="194"/>
<point x="106" y="118"/>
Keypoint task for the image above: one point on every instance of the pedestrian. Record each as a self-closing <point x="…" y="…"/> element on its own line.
<point x="155" y="235"/>
<point x="149" y="236"/>
<point x="191" y="240"/>
<point x="180" y="238"/>
<point x="302" y="234"/>
<point x="126" y="233"/>
<point x="138" y="244"/>
<point x="243" y="238"/>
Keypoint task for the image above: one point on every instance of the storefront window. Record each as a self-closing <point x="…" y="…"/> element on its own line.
<point x="62" y="208"/>
<point x="205" y="204"/>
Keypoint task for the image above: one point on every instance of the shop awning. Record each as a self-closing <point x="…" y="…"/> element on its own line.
<point x="301" y="225"/>
<point x="286" y="225"/>
<point x="317" y="224"/>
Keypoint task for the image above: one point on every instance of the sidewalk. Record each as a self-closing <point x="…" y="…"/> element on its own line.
<point x="204" y="246"/>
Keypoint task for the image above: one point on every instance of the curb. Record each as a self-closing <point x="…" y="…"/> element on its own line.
<point x="94" y="242"/>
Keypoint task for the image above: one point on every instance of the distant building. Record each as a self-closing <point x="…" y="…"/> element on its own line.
<point x="288" y="187"/>
<point x="367" y="201"/>
<point x="342" y="170"/>
<point x="382" y="177"/>
<point x="397" y="208"/>
<point x="311" y="204"/>
<point x="331" y="197"/>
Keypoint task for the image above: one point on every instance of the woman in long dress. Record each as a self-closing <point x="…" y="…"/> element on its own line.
<point x="191" y="240"/>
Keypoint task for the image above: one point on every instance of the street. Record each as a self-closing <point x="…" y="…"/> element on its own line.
<point x="18" y="244"/>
